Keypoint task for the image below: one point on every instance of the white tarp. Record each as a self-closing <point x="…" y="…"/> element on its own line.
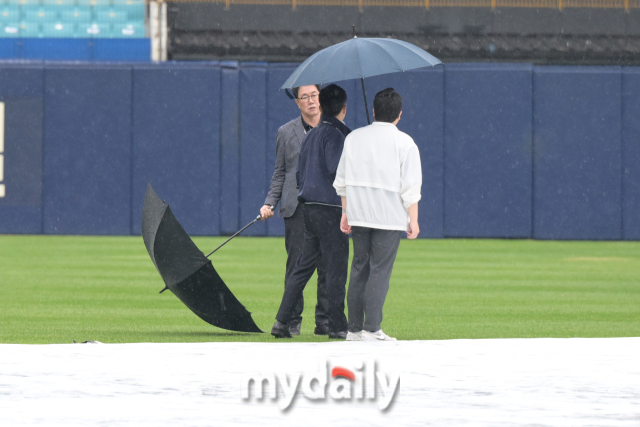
<point x="499" y="382"/>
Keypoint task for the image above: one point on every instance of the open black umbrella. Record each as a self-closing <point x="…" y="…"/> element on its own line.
<point x="187" y="272"/>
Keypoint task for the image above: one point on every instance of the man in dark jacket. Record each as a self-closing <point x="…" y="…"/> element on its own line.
<point x="324" y="243"/>
<point x="283" y="190"/>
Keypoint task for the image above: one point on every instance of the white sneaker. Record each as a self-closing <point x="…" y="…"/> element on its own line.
<point x="354" y="336"/>
<point x="376" y="336"/>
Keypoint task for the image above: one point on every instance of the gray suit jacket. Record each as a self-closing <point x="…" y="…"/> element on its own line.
<point x="283" y="182"/>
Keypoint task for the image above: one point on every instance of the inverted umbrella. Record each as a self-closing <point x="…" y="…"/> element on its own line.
<point x="187" y="272"/>
<point x="358" y="58"/>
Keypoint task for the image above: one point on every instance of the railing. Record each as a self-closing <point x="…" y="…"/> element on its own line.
<point x="546" y="4"/>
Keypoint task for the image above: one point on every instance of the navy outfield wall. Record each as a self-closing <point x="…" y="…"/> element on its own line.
<point x="488" y="168"/>
<point x="508" y="151"/>
<point x="22" y="92"/>
<point x="577" y="153"/>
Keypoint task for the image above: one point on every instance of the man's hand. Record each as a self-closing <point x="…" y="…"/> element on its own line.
<point x="413" y="230"/>
<point x="266" y="212"/>
<point x="344" y="224"/>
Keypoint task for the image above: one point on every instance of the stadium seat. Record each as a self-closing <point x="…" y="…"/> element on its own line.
<point x="42" y="14"/>
<point x="77" y="15"/>
<point x="93" y="30"/>
<point x="109" y="15"/>
<point x="10" y="14"/>
<point x="58" y="29"/>
<point x="22" y="2"/>
<point x="129" y="30"/>
<point x="135" y="9"/>
<point x="93" y="2"/>
<point x="59" y="3"/>
<point x="30" y="29"/>
<point x="10" y="29"/>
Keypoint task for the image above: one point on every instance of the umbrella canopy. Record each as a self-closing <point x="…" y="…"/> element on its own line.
<point x="358" y="58"/>
<point x="187" y="272"/>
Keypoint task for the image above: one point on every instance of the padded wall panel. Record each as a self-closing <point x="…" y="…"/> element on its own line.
<point x="130" y="50"/>
<point x="21" y="90"/>
<point x="577" y="153"/>
<point x="57" y="49"/>
<point x="280" y="110"/>
<point x="488" y="150"/>
<point x="87" y="151"/>
<point x="422" y="119"/>
<point x="176" y="131"/>
<point x="631" y="153"/>
<point x="9" y="48"/>
<point x="254" y="174"/>
<point x="230" y="149"/>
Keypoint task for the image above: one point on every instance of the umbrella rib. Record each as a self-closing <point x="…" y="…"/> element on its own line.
<point x="392" y="59"/>
<point x="361" y="70"/>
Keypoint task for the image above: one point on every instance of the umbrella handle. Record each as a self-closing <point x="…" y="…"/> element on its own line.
<point x="258" y="218"/>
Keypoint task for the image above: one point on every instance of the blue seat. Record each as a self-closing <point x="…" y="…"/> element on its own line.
<point x="59" y="29"/>
<point x="78" y="15"/>
<point x="10" y="29"/>
<point x="59" y="3"/>
<point x="135" y="9"/>
<point x="131" y="30"/>
<point x="23" y="2"/>
<point x="30" y="29"/>
<point x="93" y="30"/>
<point x="109" y="15"/>
<point x="39" y="14"/>
<point x="10" y="14"/>
<point x="93" y="2"/>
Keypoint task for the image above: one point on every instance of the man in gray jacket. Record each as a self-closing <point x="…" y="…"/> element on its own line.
<point x="283" y="189"/>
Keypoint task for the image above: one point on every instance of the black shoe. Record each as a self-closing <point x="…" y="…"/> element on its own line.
<point x="321" y="330"/>
<point x="340" y="335"/>
<point x="294" y="327"/>
<point x="280" y="330"/>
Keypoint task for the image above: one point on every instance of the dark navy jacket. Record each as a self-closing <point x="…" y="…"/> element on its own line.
<point x="318" y="161"/>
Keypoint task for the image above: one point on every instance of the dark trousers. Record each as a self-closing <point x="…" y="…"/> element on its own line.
<point x="374" y="252"/>
<point x="326" y="246"/>
<point x="293" y="242"/>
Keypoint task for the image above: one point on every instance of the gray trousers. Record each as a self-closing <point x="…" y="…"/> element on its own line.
<point x="374" y="252"/>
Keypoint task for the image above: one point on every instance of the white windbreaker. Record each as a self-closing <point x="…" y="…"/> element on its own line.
<point x="380" y="175"/>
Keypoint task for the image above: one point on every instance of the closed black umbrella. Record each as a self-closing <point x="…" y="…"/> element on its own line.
<point x="187" y="272"/>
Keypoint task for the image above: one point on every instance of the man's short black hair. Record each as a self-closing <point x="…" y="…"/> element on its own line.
<point x="387" y="105"/>
<point x="332" y="99"/>
<point x="295" y="90"/>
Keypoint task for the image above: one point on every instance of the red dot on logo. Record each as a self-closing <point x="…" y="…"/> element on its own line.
<point x="343" y="372"/>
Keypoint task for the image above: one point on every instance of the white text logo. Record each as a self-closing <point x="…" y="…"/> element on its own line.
<point x="341" y="384"/>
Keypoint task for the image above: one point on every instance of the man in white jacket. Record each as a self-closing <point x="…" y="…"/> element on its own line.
<point x="379" y="179"/>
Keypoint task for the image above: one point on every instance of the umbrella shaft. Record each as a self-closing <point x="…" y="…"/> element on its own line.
<point x="366" y="106"/>
<point x="227" y="241"/>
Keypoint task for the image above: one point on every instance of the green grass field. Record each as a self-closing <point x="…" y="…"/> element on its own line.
<point x="55" y="289"/>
